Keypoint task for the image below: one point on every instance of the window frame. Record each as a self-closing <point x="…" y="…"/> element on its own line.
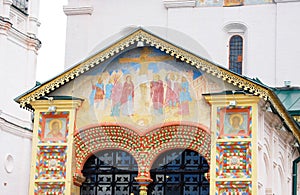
<point x="242" y="52"/>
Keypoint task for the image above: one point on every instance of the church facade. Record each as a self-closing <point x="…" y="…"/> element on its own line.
<point x="144" y="116"/>
<point x="157" y="97"/>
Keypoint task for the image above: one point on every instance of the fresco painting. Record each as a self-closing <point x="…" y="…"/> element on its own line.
<point x="220" y="3"/>
<point x="143" y="87"/>
<point x="235" y="122"/>
<point x="55" y="129"/>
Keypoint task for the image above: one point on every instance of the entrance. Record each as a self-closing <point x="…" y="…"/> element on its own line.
<point x="179" y="172"/>
<point x="110" y="172"/>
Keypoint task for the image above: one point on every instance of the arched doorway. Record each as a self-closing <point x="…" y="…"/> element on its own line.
<point x="110" y="172"/>
<point x="179" y="172"/>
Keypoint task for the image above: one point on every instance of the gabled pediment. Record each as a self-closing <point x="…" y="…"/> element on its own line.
<point x="141" y="38"/>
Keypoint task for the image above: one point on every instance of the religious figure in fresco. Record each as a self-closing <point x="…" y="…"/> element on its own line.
<point x="116" y="92"/>
<point x="172" y="92"/>
<point x="108" y="91"/>
<point x="157" y="94"/>
<point x="97" y="94"/>
<point x="55" y="127"/>
<point x="184" y="97"/>
<point x="144" y="60"/>
<point x="127" y="97"/>
<point x="236" y="122"/>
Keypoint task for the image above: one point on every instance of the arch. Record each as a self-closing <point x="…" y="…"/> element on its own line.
<point x="180" y="171"/>
<point x="281" y="161"/>
<point x="91" y="140"/>
<point x="235" y="27"/>
<point x="279" y="184"/>
<point x="283" y="180"/>
<point x="144" y="148"/>
<point x="110" y="171"/>
<point x="267" y="168"/>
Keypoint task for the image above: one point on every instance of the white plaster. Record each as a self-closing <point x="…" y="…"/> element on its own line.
<point x="18" y="55"/>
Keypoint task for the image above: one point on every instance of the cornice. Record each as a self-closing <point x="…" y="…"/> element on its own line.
<point x="15" y="129"/>
<point x="285" y="1"/>
<point x="179" y="3"/>
<point x="5" y="25"/>
<point x="80" y="10"/>
<point x="24" y="40"/>
<point x="141" y="35"/>
<point x="61" y="105"/>
<point x="224" y="100"/>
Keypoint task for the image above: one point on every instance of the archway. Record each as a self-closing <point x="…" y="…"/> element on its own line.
<point x="144" y="148"/>
<point x="179" y="172"/>
<point x="110" y="172"/>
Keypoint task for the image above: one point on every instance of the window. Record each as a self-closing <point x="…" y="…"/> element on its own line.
<point x="110" y="172"/>
<point x="236" y="54"/>
<point x="179" y="172"/>
<point x="21" y="5"/>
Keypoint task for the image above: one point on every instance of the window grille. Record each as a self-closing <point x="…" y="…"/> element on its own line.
<point x="236" y="54"/>
<point x="21" y="5"/>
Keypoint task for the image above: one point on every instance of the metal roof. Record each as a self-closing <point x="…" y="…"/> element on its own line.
<point x="290" y="98"/>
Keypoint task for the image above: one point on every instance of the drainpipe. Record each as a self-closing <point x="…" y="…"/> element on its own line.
<point x="295" y="168"/>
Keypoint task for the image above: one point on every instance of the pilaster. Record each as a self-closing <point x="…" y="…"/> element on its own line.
<point x="234" y="149"/>
<point x="52" y="146"/>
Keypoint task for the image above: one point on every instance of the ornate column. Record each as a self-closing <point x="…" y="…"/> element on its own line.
<point x="144" y="180"/>
<point x="52" y="146"/>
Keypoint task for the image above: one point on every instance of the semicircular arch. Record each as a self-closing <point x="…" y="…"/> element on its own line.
<point x="144" y="148"/>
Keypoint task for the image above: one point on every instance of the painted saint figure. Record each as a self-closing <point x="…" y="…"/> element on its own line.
<point x="116" y="92"/>
<point x="184" y="97"/>
<point x="144" y="60"/>
<point x="127" y="97"/>
<point x="157" y="94"/>
<point x="172" y="92"/>
<point x="108" y="91"/>
<point x="236" y="121"/>
<point x="97" y="94"/>
<point x="55" y="126"/>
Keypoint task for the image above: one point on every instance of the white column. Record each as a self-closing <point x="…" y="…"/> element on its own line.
<point x="6" y="8"/>
<point x="33" y="23"/>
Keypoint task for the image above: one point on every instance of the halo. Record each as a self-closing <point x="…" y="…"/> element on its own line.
<point x="53" y="121"/>
<point x="236" y="115"/>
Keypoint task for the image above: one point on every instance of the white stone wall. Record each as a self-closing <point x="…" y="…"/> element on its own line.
<point x="275" y="156"/>
<point x="15" y="155"/>
<point x="18" y="55"/>
<point x="270" y="34"/>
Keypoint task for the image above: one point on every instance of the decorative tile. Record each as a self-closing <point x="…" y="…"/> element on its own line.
<point x="51" y="162"/>
<point x="49" y="188"/>
<point x="233" y="160"/>
<point x="234" y="188"/>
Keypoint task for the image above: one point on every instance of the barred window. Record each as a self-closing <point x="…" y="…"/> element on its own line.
<point x="236" y="54"/>
<point x="21" y="5"/>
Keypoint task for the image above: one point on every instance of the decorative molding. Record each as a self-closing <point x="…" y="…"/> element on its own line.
<point x="260" y="184"/>
<point x="14" y="129"/>
<point x="9" y="163"/>
<point x="179" y="3"/>
<point x="235" y="27"/>
<point x="5" y="25"/>
<point x="82" y="10"/>
<point x="23" y="40"/>
<point x="145" y="149"/>
<point x="9" y="2"/>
